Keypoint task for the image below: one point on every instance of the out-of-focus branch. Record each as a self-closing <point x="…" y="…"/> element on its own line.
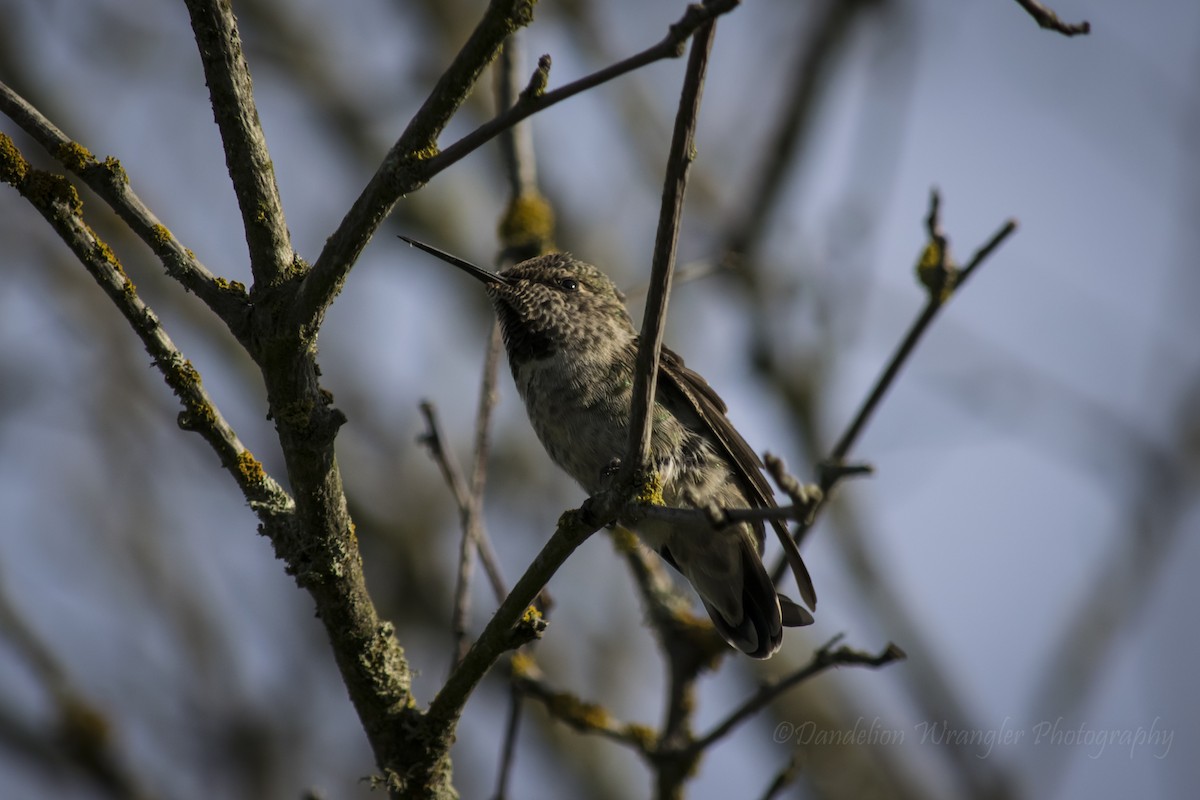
<point x="82" y="736"/>
<point x="108" y="180"/>
<point x="822" y="660"/>
<point x="579" y="714"/>
<point x="1047" y="19"/>
<point x="474" y="535"/>
<point x="246" y="154"/>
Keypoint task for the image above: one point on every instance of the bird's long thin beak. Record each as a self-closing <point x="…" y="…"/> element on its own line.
<point x="473" y="270"/>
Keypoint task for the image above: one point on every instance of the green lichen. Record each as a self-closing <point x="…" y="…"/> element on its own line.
<point x="296" y="414"/>
<point x="297" y="268"/>
<point x="74" y="156"/>
<point x="13" y="166"/>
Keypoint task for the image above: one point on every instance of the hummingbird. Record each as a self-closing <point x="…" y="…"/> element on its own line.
<point x="572" y="347"/>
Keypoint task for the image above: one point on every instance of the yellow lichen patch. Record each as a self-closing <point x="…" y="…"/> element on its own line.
<point x="234" y="287"/>
<point x="624" y="540"/>
<point x="75" y="156"/>
<point x="645" y="735"/>
<point x="114" y="169"/>
<point x="46" y="189"/>
<point x="160" y="236"/>
<point x="570" y="708"/>
<point x="425" y="153"/>
<point x="298" y="267"/>
<point x="528" y="220"/>
<point x="523" y="665"/>
<point x="936" y="271"/>
<point x="188" y="374"/>
<point x="250" y="468"/>
<point x="13" y="166"/>
<point x="651" y="490"/>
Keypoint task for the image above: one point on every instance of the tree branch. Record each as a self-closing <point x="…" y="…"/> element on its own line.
<point x="534" y="100"/>
<point x="942" y="278"/>
<point x="108" y="180"/>
<point x="397" y="175"/>
<point x="246" y="155"/>
<point x="822" y="660"/>
<point x="679" y="161"/>
<point x="1047" y="19"/>
<point x="57" y="201"/>
<point x="574" y="528"/>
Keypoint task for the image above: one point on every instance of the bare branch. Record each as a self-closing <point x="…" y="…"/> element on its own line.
<point x="55" y="198"/>
<point x="1047" y="19"/>
<point x="581" y="715"/>
<point x="574" y="528"/>
<point x="938" y="295"/>
<point x="246" y="154"/>
<point x="108" y="180"/>
<point x="822" y="660"/>
<point x="531" y="102"/>
<point x="401" y="171"/>
<point x="679" y="161"/>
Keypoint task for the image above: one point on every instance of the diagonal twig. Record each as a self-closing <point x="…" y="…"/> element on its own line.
<point x="943" y="278"/>
<point x="1047" y="19"/>
<point x="822" y="660"/>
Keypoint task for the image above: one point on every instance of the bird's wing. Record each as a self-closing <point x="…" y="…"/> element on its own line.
<point x="675" y="377"/>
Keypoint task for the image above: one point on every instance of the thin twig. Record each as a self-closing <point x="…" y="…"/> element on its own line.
<point x="921" y="324"/>
<point x="414" y="159"/>
<point x="833" y="469"/>
<point x="508" y="749"/>
<point x="822" y="660"/>
<point x="586" y="717"/>
<point x="400" y="172"/>
<point x="786" y="776"/>
<point x="228" y="78"/>
<point x="679" y="161"/>
<point x="574" y="528"/>
<point x="1049" y="20"/>
<point x="109" y="181"/>
<point x="671" y="46"/>
<point x="479" y="459"/>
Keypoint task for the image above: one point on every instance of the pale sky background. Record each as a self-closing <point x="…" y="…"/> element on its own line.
<point x="1050" y="399"/>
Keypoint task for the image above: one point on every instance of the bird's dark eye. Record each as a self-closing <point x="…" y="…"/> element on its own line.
<point x="568" y="284"/>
